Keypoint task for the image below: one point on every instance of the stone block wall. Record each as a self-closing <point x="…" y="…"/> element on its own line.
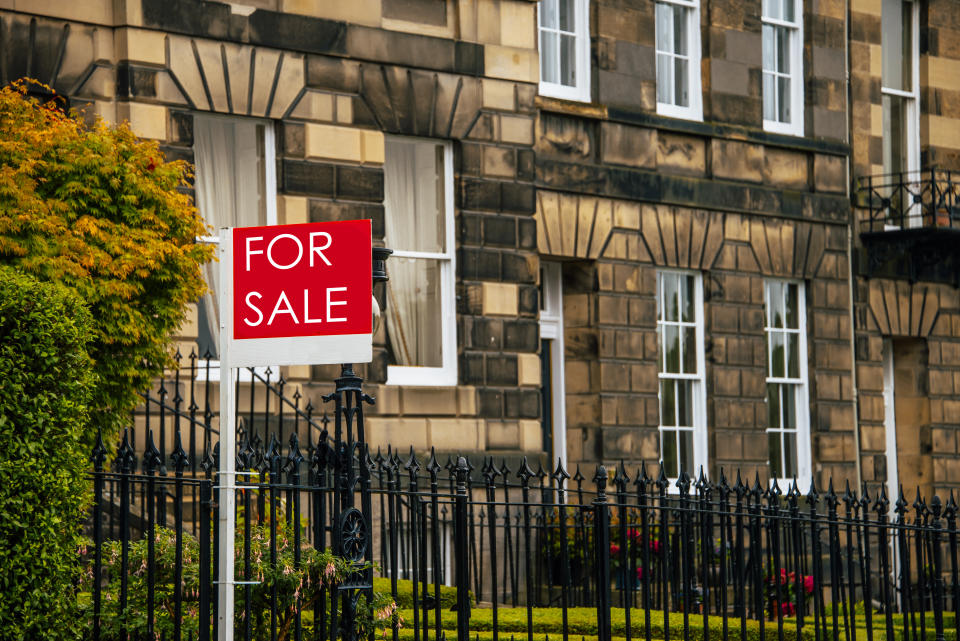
<point x="904" y="310"/>
<point x="335" y="78"/>
<point x="623" y="192"/>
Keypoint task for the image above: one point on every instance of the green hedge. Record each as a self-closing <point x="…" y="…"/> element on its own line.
<point x="45" y="383"/>
<point x="583" y="622"/>
<point x="404" y="599"/>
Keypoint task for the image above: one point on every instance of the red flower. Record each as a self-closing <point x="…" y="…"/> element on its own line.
<point x="655" y="546"/>
<point x="788" y="608"/>
<point x="639" y="573"/>
<point x="151" y="165"/>
<point x="614" y="549"/>
<point x="808" y="584"/>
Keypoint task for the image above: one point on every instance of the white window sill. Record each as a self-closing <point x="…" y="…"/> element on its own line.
<point x="683" y="113"/>
<point x="564" y="92"/>
<point x="785" y="128"/>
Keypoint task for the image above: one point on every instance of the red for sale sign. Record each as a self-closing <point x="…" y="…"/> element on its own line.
<point x="300" y="294"/>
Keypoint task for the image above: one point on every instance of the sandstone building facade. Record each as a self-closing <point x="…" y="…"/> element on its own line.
<point x="624" y="229"/>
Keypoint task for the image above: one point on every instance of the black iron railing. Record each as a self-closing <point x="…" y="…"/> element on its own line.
<point x="527" y="552"/>
<point x="908" y="200"/>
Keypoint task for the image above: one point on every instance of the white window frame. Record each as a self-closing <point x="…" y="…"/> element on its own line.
<point x="699" y="395"/>
<point x="244" y="375"/>
<point x="446" y="374"/>
<point x="694" y="111"/>
<point x="913" y="107"/>
<point x="581" y="90"/>
<point x="796" y="76"/>
<point x="551" y="328"/>
<point x="802" y="398"/>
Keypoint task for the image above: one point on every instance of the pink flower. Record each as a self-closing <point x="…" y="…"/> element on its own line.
<point x="639" y="573"/>
<point x="808" y="584"/>
<point x="788" y="608"/>
<point x="655" y="546"/>
<point x="329" y="571"/>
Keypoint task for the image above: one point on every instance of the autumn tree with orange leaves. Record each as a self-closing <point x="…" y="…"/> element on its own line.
<point x="95" y="208"/>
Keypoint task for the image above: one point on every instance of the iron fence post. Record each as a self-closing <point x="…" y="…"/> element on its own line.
<point x="935" y="531"/>
<point x="206" y="507"/>
<point x="601" y="538"/>
<point x="462" y="566"/>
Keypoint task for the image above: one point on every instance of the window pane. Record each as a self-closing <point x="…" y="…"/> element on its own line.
<point x="770" y="7"/>
<point x="895" y="147"/>
<point x="668" y="442"/>
<point x="414" y="197"/>
<point x="790" y="454"/>
<point x="685" y="403"/>
<point x="671" y="349"/>
<point x="783" y="49"/>
<point x="776" y="464"/>
<point x="681" y="83"/>
<point x="896" y="37"/>
<point x="776" y="354"/>
<point x="775" y="303"/>
<point x="668" y="402"/>
<point x="788" y="397"/>
<point x="773" y="405"/>
<point x="664" y="78"/>
<point x="769" y="48"/>
<point x="230" y="191"/>
<point x="567" y="17"/>
<point x="792" y="301"/>
<point x="669" y="289"/>
<point x="548" y="14"/>
<point x="548" y="57"/>
<point x="793" y="356"/>
<point x="687" y="293"/>
<point x="568" y="60"/>
<point x="783" y="99"/>
<point x="414" y="326"/>
<point x="788" y="10"/>
<point x="686" y="451"/>
<point x="769" y="97"/>
<point x="680" y="27"/>
<point x="689" y="350"/>
<point x="664" y="19"/>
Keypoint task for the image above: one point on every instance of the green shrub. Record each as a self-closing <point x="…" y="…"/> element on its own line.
<point x="45" y="384"/>
<point x="296" y="582"/>
<point x="98" y="210"/>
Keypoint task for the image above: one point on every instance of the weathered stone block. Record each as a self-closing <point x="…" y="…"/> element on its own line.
<point x="626" y="145"/>
<point x="147" y="121"/>
<point x="677" y="153"/>
<point x="503" y="435"/>
<point x="783" y="168"/>
<point x="429" y="401"/>
<point x="499" y="299"/>
<point x="510" y="63"/>
<point x="498" y="94"/>
<point x="736" y="160"/>
<point x="528" y="366"/>
<point x="516" y="130"/>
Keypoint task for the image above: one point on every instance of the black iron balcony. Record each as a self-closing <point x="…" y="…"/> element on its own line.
<point x="910" y="225"/>
<point x="925" y="198"/>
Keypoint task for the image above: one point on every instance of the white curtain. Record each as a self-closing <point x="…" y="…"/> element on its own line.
<point x="414" y="222"/>
<point x="228" y="187"/>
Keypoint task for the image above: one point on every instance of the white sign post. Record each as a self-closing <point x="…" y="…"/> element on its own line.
<point x="289" y="295"/>
<point x="227" y="523"/>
